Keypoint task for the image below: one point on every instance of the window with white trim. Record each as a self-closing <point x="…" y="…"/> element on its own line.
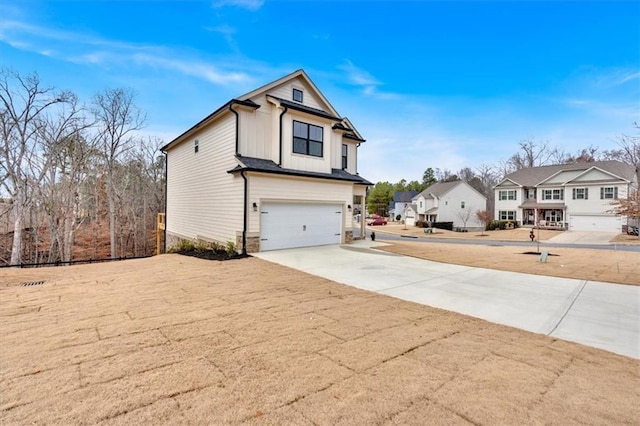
<point x="307" y="139"/>
<point x="345" y="150"/>
<point x="609" y="193"/>
<point x="553" y="215"/>
<point x="580" y="193"/>
<point x="507" y="215"/>
<point x="462" y="204"/>
<point x="553" y="194"/>
<point x="507" y="194"/>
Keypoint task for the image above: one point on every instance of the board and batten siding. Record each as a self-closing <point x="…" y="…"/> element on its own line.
<point x="290" y="160"/>
<point x="257" y="132"/>
<point x="285" y="91"/>
<point x="203" y="200"/>
<point x="291" y="189"/>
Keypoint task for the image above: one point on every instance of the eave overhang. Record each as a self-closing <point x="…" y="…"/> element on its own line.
<point x="209" y="118"/>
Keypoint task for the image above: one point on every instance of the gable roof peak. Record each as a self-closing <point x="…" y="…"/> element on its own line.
<point x="299" y="73"/>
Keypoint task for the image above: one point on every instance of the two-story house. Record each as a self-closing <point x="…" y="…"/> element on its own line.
<point x="401" y="201"/>
<point x="275" y="168"/>
<point x="577" y="196"/>
<point x="455" y="202"/>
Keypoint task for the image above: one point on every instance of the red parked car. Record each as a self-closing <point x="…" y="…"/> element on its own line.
<point x="378" y="221"/>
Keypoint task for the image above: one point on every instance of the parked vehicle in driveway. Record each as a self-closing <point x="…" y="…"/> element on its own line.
<point x="378" y="221"/>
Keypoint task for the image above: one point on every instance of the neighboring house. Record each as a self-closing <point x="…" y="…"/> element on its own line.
<point x="401" y="199"/>
<point x="410" y="214"/>
<point x="577" y="196"/>
<point x="275" y="168"/>
<point x="455" y="202"/>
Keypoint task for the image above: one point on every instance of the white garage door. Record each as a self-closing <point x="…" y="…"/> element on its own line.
<point x="595" y="223"/>
<point x="289" y="225"/>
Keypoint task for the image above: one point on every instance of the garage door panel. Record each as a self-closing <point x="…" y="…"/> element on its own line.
<point x="290" y="225"/>
<point x="595" y="223"/>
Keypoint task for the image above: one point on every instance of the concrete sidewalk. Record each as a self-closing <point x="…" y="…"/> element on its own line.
<point x="601" y="315"/>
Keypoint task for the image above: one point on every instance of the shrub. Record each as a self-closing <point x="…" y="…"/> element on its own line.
<point x="231" y="249"/>
<point x="443" y="225"/>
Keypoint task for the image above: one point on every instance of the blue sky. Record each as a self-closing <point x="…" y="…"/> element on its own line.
<point x="428" y="84"/>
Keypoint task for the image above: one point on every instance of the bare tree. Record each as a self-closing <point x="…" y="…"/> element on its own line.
<point x="485" y="217"/>
<point x="488" y="175"/>
<point x="464" y="215"/>
<point x="629" y="207"/>
<point x="118" y="119"/>
<point x="23" y="164"/>
<point x="532" y="154"/>
<point x="585" y="155"/>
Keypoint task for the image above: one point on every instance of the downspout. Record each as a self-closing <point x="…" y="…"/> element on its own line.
<point x="280" y="152"/>
<point x="237" y="128"/>
<point x="357" y="148"/>
<point x="166" y="185"/>
<point x="244" y="220"/>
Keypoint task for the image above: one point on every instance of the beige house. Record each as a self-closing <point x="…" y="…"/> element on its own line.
<point x="577" y="197"/>
<point x="275" y="168"/>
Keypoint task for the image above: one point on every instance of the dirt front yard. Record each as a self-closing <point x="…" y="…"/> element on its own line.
<point x="180" y="340"/>
<point x="621" y="267"/>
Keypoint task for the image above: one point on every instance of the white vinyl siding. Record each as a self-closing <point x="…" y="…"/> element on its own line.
<point x="203" y="200"/>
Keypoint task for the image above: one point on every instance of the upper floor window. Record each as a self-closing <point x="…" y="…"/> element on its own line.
<point x="307" y="139"/>
<point x="580" y="193"/>
<point x="531" y="194"/>
<point x="462" y="204"/>
<point x="196" y="146"/>
<point x="609" y="193"/>
<point x="345" y="150"/>
<point x="509" y="194"/>
<point x="553" y="194"/>
<point x="297" y="95"/>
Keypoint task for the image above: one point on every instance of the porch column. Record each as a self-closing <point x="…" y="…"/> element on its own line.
<point x="535" y="217"/>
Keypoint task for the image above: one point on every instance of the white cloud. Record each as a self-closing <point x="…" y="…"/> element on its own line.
<point x="90" y="50"/>
<point x="369" y="84"/>
<point x="252" y="5"/>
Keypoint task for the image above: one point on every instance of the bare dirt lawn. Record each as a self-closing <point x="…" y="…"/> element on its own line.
<point x="621" y="267"/>
<point x="180" y="340"/>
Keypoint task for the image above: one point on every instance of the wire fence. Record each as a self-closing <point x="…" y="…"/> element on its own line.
<point x="70" y="262"/>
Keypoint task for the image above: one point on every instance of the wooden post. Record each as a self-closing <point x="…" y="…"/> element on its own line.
<point x="159" y="231"/>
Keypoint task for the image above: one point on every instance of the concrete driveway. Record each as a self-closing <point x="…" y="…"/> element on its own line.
<point x="583" y="237"/>
<point x="601" y="315"/>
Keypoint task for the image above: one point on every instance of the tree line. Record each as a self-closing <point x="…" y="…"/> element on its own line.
<point x="531" y="153"/>
<point x="70" y="168"/>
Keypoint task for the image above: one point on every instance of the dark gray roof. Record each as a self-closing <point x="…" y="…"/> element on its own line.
<point x="534" y="175"/>
<point x="300" y="107"/>
<point x="404" y="196"/>
<point x="251" y="164"/>
<point x="440" y="188"/>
